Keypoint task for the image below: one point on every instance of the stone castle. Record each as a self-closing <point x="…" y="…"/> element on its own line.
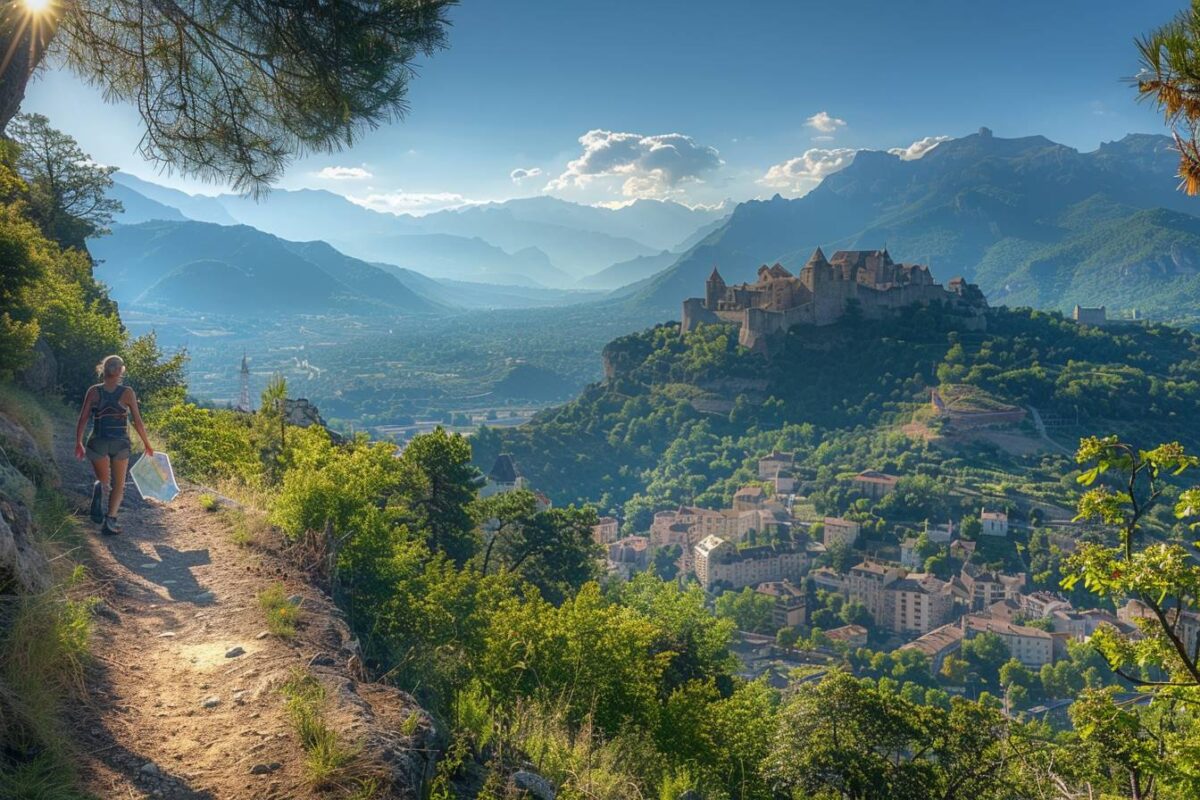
<point x="820" y="294"/>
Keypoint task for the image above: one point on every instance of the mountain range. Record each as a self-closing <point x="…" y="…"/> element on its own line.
<point x="202" y="267"/>
<point x="536" y="241"/>
<point x="1030" y="220"/>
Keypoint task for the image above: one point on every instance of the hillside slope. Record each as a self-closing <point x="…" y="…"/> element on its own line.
<point x="204" y="267"/>
<point x="176" y="712"/>
<point x="678" y="414"/>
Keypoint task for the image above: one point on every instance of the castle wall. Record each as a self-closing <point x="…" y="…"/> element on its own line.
<point x="695" y="313"/>
<point x="820" y="293"/>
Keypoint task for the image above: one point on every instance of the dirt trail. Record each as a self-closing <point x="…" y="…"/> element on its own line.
<point x="173" y="714"/>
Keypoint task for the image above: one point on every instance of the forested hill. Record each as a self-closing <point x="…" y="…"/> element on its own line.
<point x="1017" y="216"/>
<point x="683" y="416"/>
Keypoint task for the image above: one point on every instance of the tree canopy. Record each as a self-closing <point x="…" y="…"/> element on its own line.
<point x="231" y="90"/>
<point x="68" y="192"/>
<point x="1169" y="78"/>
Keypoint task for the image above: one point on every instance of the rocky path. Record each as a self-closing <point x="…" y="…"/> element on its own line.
<point x="184" y="684"/>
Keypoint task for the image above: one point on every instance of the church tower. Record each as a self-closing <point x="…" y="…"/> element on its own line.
<point x="714" y="290"/>
<point x="244" y="396"/>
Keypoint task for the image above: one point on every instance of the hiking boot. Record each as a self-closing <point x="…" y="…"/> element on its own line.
<point x="97" y="512"/>
<point x="111" y="526"/>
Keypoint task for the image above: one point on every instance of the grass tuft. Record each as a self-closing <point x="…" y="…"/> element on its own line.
<point x="328" y="762"/>
<point x="282" y="614"/>
<point x="209" y="503"/>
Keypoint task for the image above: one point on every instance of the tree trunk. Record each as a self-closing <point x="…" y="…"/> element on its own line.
<point x="23" y="40"/>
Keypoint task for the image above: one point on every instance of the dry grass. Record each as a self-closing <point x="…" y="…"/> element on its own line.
<point x="329" y="763"/>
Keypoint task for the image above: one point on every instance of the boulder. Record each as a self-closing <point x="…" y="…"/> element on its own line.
<point x="41" y="376"/>
<point x="533" y="785"/>
<point x="304" y="414"/>
<point x="23" y="453"/>
<point x="23" y="567"/>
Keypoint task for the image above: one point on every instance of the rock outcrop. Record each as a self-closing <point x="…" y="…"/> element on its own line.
<point x="41" y="375"/>
<point x="23" y="567"/>
<point x="303" y="414"/>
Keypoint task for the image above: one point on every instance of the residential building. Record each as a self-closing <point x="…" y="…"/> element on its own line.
<point x="1033" y="647"/>
<point x="687" y="525"/>
<point x="984" y="587"/>
<point x="628" y="556"/>
<point x="1042" y="604"/>
<point x="749" y="498"/>
<point x="840" y="531"/>
<point x="995" y="523"/>
<point x="503" y="477"/>
<point x="962" y="549"/>
<point x="875" y="484"/>
<point x="940" y="533"/>
<point x="772" y="464"/>
<point x="917" y="603"/>
<point x="851" y="635"/>
<point x="718" y="561"/>
<point x="909" y="557"/>
<point x="606" y="531"/>
<point x="826" y="579"/>
<point x="790" y="603"/>
<point x="865" y="583"/>
<point x="938" y="644"/>
<point x="784" y="483"/>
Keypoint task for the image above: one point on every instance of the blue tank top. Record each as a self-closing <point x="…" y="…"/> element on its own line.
<point x="110" y="419"/>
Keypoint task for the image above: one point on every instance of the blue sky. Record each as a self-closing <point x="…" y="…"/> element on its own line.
<point x="702" y="100"/>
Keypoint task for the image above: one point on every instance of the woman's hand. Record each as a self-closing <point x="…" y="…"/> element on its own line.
<point x="79" y="451"/>
<point x="148" y="450"/>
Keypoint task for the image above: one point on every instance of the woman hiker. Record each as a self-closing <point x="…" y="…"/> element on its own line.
<point x="109" y="404"/>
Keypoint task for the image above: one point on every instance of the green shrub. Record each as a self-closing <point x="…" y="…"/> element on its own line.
<point x="209" y="503"/>
<point x="208" y="445"/>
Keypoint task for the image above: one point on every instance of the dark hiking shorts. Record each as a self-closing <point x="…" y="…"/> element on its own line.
<point x="99" y="449"/>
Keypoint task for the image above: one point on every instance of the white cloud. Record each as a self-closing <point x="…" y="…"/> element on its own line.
<point x="801" y="174"/>
<point x="919" y="148"/>
<point x="652" y="166"/>
<point x="400" y="202"/>
<point x="344" y="174"/>
<point x="821" y="121"/>
<point x="521" y="173"/>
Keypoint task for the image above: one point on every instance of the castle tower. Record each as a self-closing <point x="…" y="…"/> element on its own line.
<point x="244" y="396"/>
<point x="817" y="263"/>
<point x="714" y="289"/>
